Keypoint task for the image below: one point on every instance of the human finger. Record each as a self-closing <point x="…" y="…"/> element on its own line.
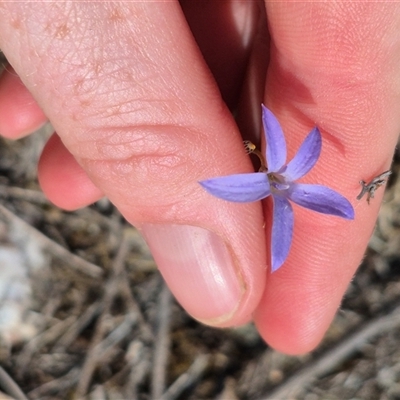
<point x="63" y="180"/>
<point x="130" y="97"/>
<point x="342" y="75"/>
<point x="20" y="115"/>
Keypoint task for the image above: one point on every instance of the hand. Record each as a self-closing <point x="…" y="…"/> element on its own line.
<point x="140" y="120"/>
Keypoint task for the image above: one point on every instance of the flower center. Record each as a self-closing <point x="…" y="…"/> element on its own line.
<point x="277" y="182"/>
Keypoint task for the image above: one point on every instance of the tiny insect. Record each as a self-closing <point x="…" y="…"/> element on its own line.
<point x="371" y="187"/>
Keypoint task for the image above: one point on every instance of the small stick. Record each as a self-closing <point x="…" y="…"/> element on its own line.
<point x="63" y="383"/>
<point x="191" y="376"/>
<point x="111" y="289"/>
<point x="371" y="186"/>
<point x="77" y="327"/>
<point x="336" y="356"/>
<point x="10" y="386"/>
<point x="162" y="345"/>
<point x="72" y="260"/>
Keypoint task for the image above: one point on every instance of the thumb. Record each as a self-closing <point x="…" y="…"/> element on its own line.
<point x="141" y="115"/>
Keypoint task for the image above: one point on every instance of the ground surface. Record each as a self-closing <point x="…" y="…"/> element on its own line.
<point x="84" y="313"/>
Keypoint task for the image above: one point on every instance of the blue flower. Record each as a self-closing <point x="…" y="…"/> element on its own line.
<point x="278" y="180"/>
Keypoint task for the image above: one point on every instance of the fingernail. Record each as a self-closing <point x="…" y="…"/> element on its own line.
<point x="198" y="268"/>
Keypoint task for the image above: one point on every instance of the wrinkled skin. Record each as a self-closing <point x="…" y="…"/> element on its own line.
<point x="140" y="119"/>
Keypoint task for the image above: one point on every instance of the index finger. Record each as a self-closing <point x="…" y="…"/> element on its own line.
<point x="332" y="65"/>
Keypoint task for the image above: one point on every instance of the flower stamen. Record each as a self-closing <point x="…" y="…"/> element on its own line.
<point x="251" y="148"/>
<point x="277" y="182"/>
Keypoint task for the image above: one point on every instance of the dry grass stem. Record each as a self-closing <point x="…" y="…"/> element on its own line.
<point x="188" y="378"/>
<point x="10" y="386"/>
<point x="336" y="356"/>
<point x="75" y="262"/>
<point x="97" y="344"/>
<point x="161" y="344"/>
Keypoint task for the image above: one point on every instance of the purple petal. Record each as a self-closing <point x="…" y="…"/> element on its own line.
<point x="306" y="157"/>
<point x="321" y="199"/>
<point x="241" y="188"/>
<point x="282" y="231"/>
<point x="275" y="141"/>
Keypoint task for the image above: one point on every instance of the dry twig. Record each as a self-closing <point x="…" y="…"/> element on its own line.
<point x="43" y="339"/>
<point x="74" y="261"/>
<point x="10" y="386"/>
<point x="161" y="344"/>
<point x="336" y="356"/>
<point x="77" y="327"/>
<point x="34" y="196"/>
<point x="112" y="286"/>
<point x="187" y="379"/>
<point x="139" y="363"/>
<point x="56" y="385"/>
